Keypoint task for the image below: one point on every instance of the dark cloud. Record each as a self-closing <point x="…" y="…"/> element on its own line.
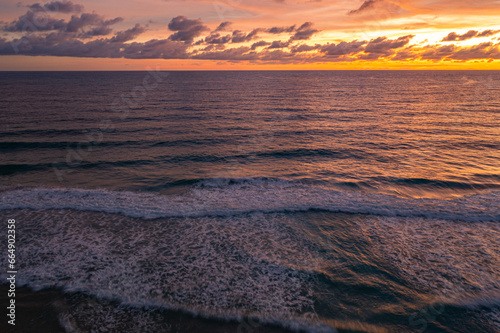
<point x="305" y="48"/>
<point x="59" y="44"/>
<point x="280" y="30"/>
<point x="127" y="35"/>
<point x="155" y="49"/>
<point x="486" y="50"/>
<point x="277" y="44"/>
<point x="488" y="33"/>
<point x="211" y="47"/>
<point x="278" y="56"/>
<point x="76" y="23"/>
<point x="304" y="32"/>
<point x="383" y="8"/>
<point x="436" y="53"/>
<point x="241" y="37"/>
<point x="64" y="38"/>
<point x="216" y="38"/>
<point x="223" y="26"/>
<point x="34" y="21"/>
<point x="453" y="36"/>
<point x="182" y="23"/>
<point x="186" y="29"/>
<point x="57" y="6"/>
<point x="343" y="48"/>
<point x="94" y="25"/>
<point x="382" y="46"/>
<point x="99" y="31"/>
<point x="259" y="44"/>
<point x="367" y="5"/>
<point x="405" y="54"/>
<point x="187" y="36"/>
<point x="233" y="54"/>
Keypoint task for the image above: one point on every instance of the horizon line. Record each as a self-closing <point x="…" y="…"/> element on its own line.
<point x="260" y="70"/>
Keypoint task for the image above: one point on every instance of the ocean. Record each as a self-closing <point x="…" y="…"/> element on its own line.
<point x="252" y="201"/>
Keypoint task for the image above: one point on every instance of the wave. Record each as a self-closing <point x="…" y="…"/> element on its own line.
<point x="320" y="152"/>
<point x="232" y="196"/>
<point x="442" y="184"/>
<point x="10" y="169"/>
<point x="18" y="145"/>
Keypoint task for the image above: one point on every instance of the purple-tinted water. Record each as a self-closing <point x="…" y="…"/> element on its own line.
<point x="364" y="201"/>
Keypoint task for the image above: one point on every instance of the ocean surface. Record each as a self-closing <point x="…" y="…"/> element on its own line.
<point x="313" y="201"/>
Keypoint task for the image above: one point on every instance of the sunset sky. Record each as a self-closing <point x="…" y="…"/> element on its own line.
<point x="249" y="34"/>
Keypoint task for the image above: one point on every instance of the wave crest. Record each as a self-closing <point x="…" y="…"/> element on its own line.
<point x="232" y="196"/>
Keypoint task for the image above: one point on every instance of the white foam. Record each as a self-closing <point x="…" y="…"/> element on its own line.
<point x="493" y="318"/>
<point x="214" y="266"/>
<point x="488" y="308"/>
<point x="221" y="197"/>
<point x="74" y="317"/>
<point x="457" y="262"/>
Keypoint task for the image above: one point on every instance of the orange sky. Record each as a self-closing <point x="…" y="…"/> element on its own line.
<point x="243" y="34"/>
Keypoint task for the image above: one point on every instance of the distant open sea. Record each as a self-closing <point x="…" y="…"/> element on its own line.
<point x="307" y="201"/>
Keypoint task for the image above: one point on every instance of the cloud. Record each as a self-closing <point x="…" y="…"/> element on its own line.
<point x="452" y="36"/>
<point x="280" y="30"/>
<point x="304" y="32"/>
<point x="305" y="48"/>
<point x="127" y="35"/>
<point x="277" y="44"/>
<point x="98" y="31"/>
<point x="155" y="49"/>
<point x="367" y="5"/>
<point x="61" y="43"/>
<point x="33" y="21"/>
<point x="381" y="10"/>
<point x="241" y="37"/>
<point x="91" y="35"/>
<point x="186" y="29"/>
<point x="343" y="48"/>
<point x="233" y="54"/>
<point x="383" y="46"/>
<point x="37" y="21"/>
<point x="223" y="26"/>
<point x="216" y="38"/>
<point x="259" y="44"/>
<point x="405" y="54"/>
<point x="488" y="33"/>
<point x="433" y="52"/>
<point x="486" y="50"/>
<point x="182" y="23"/>
<point x="57" y="6"/>
<point x="211" y="47"/>
<point x="58" y="44"/>
<point x="76" y="23"/>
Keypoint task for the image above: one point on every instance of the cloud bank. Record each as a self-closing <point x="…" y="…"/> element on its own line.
<point x="42" y="32"/>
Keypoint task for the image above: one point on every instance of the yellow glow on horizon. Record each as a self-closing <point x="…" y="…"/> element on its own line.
<point x="104" y="64"/>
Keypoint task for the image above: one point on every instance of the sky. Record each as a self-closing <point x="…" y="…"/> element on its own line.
<point x="249" y="34"/>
